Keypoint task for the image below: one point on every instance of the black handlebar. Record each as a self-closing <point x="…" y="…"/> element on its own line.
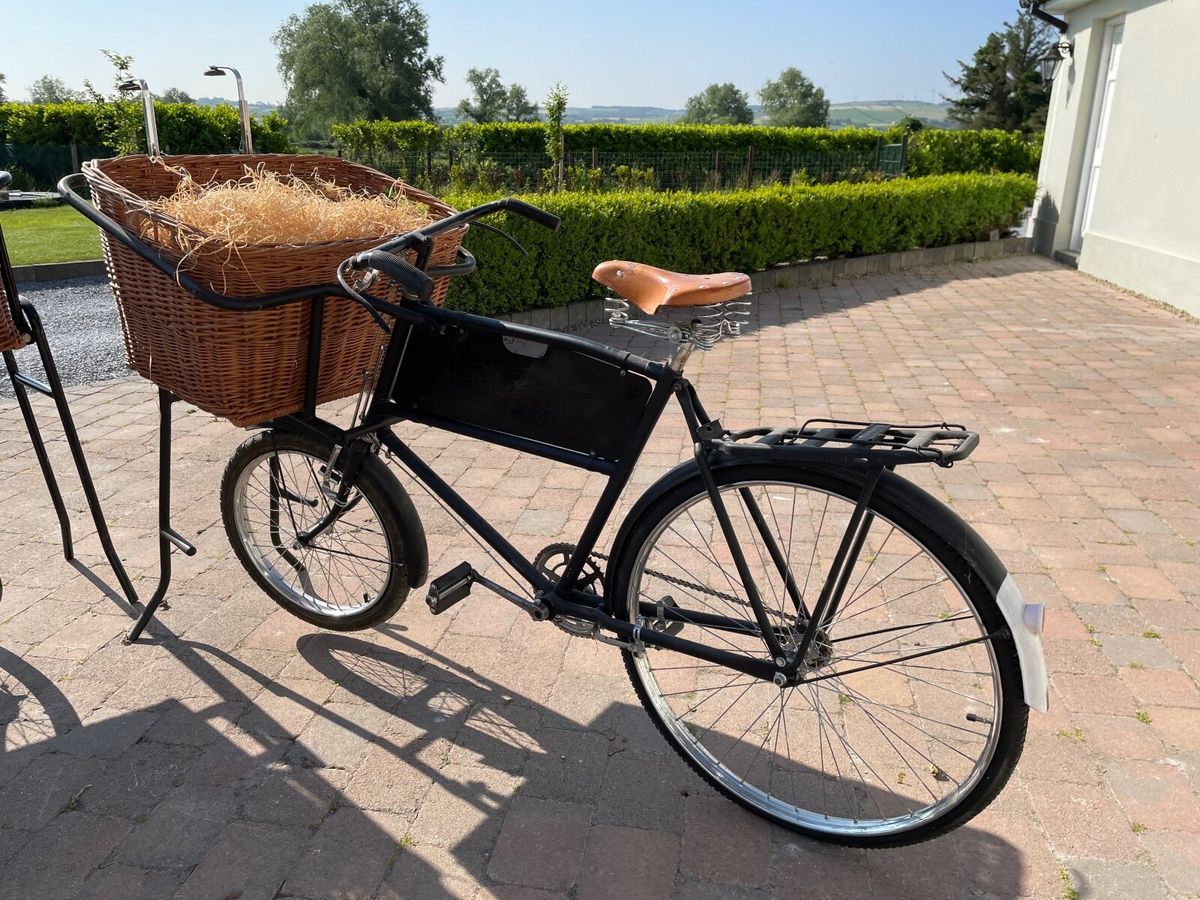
<point x="412" y="280"/>
<point x="532" y="213"/>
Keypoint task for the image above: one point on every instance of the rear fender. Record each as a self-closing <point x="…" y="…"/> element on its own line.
<point x="1024" y="620"/>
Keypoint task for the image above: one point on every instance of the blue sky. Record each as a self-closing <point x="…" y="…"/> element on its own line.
<point x="622" y="52"/>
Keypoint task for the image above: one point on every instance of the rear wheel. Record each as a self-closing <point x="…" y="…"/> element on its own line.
<point x="909" y="718"/>
<point x="343" y="567"/>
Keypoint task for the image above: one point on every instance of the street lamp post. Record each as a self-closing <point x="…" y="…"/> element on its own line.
<point x="139" y="84"/>
<point x="247" y="143"/>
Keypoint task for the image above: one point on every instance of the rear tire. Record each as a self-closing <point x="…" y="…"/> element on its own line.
<point x="352" y="575"/>
<point x="893" y="755"/>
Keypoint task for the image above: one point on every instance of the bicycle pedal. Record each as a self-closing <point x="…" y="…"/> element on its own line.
<point x="451" y="588"/>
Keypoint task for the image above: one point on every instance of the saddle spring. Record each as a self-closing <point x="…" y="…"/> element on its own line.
<point x="705" y="331"/>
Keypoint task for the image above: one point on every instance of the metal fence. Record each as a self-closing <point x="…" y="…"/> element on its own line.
<point x="38" y="167"/>
<point x="596" y="170"/>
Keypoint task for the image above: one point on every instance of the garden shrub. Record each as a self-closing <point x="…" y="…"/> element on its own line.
<point x="934" y="151"/>
<point x="35" y="137"/>
<point x="729" y="231"/>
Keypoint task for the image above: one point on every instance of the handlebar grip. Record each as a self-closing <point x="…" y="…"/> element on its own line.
<point x="412" y="280"/>
<point x="532" y="213"/>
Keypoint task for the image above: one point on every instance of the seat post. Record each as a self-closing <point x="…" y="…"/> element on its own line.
<point x="681" y="355"/>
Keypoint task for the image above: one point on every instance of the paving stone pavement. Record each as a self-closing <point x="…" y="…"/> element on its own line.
<point x="240" y="753"/>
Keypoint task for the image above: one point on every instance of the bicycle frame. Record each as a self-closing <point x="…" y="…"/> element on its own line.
<point x="873" y="448"/>
<point x="561" y="598"/>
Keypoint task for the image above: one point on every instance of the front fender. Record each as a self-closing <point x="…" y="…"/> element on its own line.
<point x="1024" y="620"/>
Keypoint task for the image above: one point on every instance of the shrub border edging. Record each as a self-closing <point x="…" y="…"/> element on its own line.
<point x="815" y="273"/>
<point x="59" y="271"/>
<point x="589" y="312"/>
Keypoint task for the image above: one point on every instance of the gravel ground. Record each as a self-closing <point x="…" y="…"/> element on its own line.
<point x="85" y="335"/>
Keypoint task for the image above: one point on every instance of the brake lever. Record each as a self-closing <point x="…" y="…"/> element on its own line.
<point x="504" y="234"/>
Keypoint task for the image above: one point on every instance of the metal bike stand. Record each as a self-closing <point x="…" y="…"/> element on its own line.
<point x="27" y="322"/>
<point x="168" y="537"/>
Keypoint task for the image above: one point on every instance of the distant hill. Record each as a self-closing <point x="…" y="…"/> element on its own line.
<point x="857" y="114"/>
<point x="257" y="108"/>
<point x="619" y="115"/>
<point x="882" y="113"/>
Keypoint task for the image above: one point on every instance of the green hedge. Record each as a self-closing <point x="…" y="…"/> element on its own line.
<point x="182" y="127"/>
<point x="931" y="151"/>
<point x="361" y="138"/>
<point x="35" y="138"/>
<point x="733" y="231"/>
<point x="935" y="151"/>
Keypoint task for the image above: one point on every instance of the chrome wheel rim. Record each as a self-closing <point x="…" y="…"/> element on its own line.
<point x="341" y="572"/>
<point x="798" y="739"/>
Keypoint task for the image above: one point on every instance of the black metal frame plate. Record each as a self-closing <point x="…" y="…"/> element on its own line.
<point x="551" y="394"/>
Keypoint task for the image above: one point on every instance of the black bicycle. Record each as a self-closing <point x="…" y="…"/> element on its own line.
<point x="822" y="640"/>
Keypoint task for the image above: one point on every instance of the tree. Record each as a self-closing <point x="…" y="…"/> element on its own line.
<point x="488" y="105"/>
<point x="49" y="89"/>
<point x="517" y="106"/>
<point x="493" y="102"/>
<point x="176" y="95"/>
<point x="794" y="101"/>
<point x="556" y="108"/>
<point x="910" y="124"/>
<point x="2" y="97"/>
<point x="357" y="59"/>
<point x="719" y="104"/>
<point x="1002" y="87"/>
<point x="122" y="72"/>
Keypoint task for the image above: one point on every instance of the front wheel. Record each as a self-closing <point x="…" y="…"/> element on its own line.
<point x="343" y="563"/>
<point x="909" y="718"/>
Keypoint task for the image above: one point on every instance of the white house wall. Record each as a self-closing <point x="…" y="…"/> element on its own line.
<point x="1145" y="227"/>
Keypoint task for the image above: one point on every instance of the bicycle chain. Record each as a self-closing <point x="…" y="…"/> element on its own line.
<point x="683" y="583"/>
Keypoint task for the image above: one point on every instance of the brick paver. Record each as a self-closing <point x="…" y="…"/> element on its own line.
<point x="240" y="753"/>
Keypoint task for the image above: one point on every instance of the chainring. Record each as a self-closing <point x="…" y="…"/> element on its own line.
<point x="552" y="562"/>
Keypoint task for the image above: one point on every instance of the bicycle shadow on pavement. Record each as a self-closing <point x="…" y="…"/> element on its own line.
<point x="414" y="777"/>
<point x="586" y="784"/>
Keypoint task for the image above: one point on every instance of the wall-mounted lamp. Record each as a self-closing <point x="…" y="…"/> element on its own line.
<point x="1049" y="63"/>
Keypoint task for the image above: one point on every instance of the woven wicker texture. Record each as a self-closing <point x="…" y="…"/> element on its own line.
<point x="245" y="366"/>
<point x="10" y="337"/>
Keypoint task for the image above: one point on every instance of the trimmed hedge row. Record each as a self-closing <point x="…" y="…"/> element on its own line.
<point x="931" y="151"/>
<point x="361" y="138"/>
<point x="934" y="151"/>
<point x="182" y="127"/>
<point x="733" y="231"/>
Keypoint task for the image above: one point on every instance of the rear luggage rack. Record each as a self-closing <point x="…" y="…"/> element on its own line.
<point x="858" y="443"/>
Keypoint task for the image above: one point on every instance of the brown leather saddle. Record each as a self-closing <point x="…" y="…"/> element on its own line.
<point x="648" y="288"/>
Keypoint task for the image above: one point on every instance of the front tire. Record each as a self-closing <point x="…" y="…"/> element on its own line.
<point x="353" y="573"/>
<point x="893" y="754"/>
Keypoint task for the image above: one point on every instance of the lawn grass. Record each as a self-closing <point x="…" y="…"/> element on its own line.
<point x="50" y="234"/>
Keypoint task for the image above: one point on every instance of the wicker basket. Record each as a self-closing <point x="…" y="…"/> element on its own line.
<point x="10" y="337"/>
<point x="245" y="366"/>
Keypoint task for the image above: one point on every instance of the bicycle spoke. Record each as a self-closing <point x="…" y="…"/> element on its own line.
<point x="854" y="747"/>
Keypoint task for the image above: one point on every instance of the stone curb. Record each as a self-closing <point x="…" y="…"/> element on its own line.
<point x="61" y="271"/>
<point x="806" y="274"/>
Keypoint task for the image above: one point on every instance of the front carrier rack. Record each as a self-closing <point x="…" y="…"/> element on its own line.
<point x="862" y="443"/>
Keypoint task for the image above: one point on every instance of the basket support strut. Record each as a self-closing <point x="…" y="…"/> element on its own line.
<point x="168" y="537"/>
